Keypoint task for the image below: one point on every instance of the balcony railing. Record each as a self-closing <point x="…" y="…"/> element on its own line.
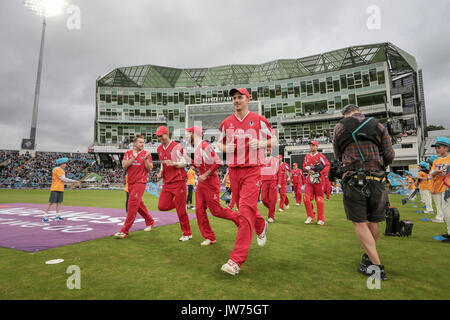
<point x="120" y="148"/>
<point x="111" y="119"/>
<point x="335" y="115"/>
<point x="403" y="90"/>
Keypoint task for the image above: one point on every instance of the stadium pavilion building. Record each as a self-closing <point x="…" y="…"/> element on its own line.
<point x="301" y="98"/>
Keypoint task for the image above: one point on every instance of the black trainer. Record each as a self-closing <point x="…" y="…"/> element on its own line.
<point x="365" y="259"/>
<point x="365" y="262"/>
<point x="377" y="271"/>
<point x="446" y="240"/>
<point x="445" y="235"/>
<point x="381" y="274"/>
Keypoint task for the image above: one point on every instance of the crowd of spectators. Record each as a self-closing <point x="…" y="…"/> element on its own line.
<point x="18" y="170"/>
<point x="10" y="163"/>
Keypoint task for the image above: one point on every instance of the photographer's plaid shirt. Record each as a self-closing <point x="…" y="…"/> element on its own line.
<point x="369" y="150"/>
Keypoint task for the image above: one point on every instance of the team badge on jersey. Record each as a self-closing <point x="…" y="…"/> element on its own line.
<point x="250" y="123"/>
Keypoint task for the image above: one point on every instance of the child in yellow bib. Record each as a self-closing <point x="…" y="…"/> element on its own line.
<point x="425" y="185"/>
<point x="57" y="188"/>
<point x="439" y="170"/>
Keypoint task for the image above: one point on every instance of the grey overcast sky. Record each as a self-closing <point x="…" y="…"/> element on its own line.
<point x="192" y="33"/>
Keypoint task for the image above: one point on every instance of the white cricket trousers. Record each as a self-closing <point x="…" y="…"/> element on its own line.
<point x="425" y="196"/>
<point x="446" y="211"/>
<point x="438" y="199"/>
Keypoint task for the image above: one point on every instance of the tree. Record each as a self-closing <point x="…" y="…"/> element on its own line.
<point x="432" y="127"/>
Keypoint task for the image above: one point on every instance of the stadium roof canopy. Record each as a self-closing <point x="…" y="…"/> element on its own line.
<point x="150" y="76"/>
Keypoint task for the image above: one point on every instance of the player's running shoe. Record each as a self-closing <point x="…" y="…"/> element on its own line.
<point x="149" y="228"/>
<point x="207" y="242"/>
<point x="261" y="238"/>
<point x="230" y="267"/>
<point x="309" y="220"/>
<point x="121" y="235"/>
<point x="185" y="238"/>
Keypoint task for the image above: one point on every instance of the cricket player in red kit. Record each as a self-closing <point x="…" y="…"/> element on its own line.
<point x="207" y="194"/>
<point x="317" y="166"/>
<point x="297" y="181"/>
<point x="173" y="193"/>
<point x="138" y="163"/>
<point x="269" y="178"/>
<point x="243" y="137"/>
<point x="283" y="177"/>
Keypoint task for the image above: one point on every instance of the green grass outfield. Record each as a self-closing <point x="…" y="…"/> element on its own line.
<point x="298" y="262"/>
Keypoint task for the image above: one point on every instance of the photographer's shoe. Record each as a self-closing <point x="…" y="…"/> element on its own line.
<point x="365" y="262"/>
<point x="365" y="259"/>
<point x="377" y="271"/>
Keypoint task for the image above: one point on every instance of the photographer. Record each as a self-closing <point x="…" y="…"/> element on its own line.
<point x="365" y="148"/>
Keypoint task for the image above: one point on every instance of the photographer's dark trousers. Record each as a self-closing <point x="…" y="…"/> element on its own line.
<point x="190" y="189"/>
<point x="365" y="203"/>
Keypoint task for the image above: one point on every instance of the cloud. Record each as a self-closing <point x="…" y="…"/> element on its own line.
<point x="191" y="33"/>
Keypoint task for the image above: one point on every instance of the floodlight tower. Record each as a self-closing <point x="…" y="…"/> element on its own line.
<point x="44" y="8"/>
